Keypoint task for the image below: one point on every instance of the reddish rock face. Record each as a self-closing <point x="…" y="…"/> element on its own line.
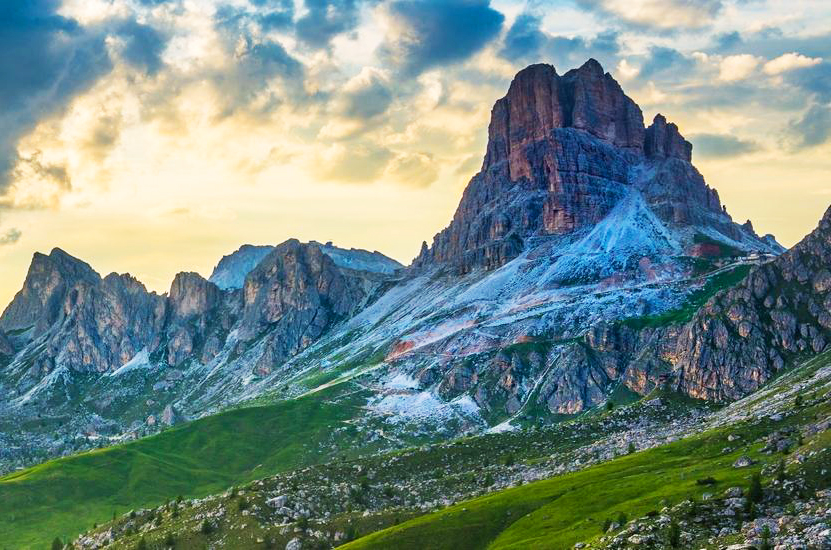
<point x="539" y="100"/>
<point x="664" y="141"/>
<point x="562" y="151"/>
<point x="705" y="250"/>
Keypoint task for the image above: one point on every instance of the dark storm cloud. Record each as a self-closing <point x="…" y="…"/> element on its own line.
<point x="772" y="42"/>
<point x="721" y="145"/>
<point x="268" y="14"/>
<point x="525" y="41"/>
<point x="814" y="80"/>
<point x="813" y="128"/>
<point x="46" y="60"/>
<point x="435" y="33"/>
<point x="252" y="74"/>
<point x="325" y="20"/>
<point x="524" y="38"/>
<point x="143" y="45"/>
<point x="369" y="100"/>
<point x="727" y="42"/>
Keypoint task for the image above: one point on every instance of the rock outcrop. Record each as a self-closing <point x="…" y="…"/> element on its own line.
<point x="745" y="334"/>
<point x="50" y="278"/>
<point x="296" y="293"/>
<point x="562" y="152"/>
<point x="78" y="319"/>
<point x="199" y="319"/>
<point x="663" y="140"/>
<point x="67" y="315"/>
<point x="232" y="269"/>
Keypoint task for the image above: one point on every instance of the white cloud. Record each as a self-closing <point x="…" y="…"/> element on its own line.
<point x="662" y="14"/>
<point x="737" y="67"/>
<point x="789" y="61"/>
<point x="414" y="169"/>
<point x="625" y="71"/>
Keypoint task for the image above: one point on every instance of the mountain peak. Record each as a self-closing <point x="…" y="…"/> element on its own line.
<point x="663" y="140"/>
<point x="563" y="151"/>
<point x="592" y="65"/>
<point x="539" y="100"/>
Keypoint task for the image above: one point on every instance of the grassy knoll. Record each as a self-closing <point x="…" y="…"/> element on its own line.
<point x="65" y="496"/>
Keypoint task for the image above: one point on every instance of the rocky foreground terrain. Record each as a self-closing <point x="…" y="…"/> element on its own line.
<point x="780" y="434"/>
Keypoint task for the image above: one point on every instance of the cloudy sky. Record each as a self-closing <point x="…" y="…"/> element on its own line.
<point x="153" y="136"/>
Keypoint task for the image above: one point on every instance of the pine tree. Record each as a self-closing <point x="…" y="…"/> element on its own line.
<point x="169" y="541"/>
<point x="674" y="534"/>
<point x="755" y="492"/>
<point x="142" y="544"/>
<point x="57" y="544"/>
<point x="631" y="448"/>
<point x="766" y="539"/>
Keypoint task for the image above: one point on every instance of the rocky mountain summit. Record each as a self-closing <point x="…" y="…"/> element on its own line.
<point x="563" y="152"/>
<point x="573" y="273"/>
<point x="111" y="359"/>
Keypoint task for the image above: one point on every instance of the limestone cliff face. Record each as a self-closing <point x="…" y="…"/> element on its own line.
<point x="200" y="316"/>
<point x="67" y="315"/>
<point x="50" y="277"/>
<point x="539" y="101"/>
<point x="295" y="294"/>
<point x="75" y="318"/>
<point x="562" y="152"/>
<point x="744" y="335"/>
<point x="663" y="140"/>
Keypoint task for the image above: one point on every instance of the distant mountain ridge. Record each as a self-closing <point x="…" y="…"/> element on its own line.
<point x="538" y="300"/>
<point x="231" y="270"/>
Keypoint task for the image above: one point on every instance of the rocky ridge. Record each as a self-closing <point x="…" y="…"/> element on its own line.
<point x="746" y="334"/>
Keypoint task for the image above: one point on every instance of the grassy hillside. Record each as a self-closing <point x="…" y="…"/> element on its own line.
<point x="559" y="512"/>
<point x="714" y="284"/>
<point x="66" y="496"/>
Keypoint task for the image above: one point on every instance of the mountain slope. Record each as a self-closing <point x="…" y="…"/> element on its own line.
<point x="747" y="333"/>
<point x="694" y="445"/>
<point x="103" y="359"/>
<point x="562" y="152"/>
<point x="580" y="219"/>
<point x="232" y="269"/>
<point x="558" y="513"/>
<point x="66" y="496"/>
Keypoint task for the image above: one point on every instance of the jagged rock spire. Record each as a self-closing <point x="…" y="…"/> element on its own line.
<point x="540" y="100"/>
<point x="562" y="151"/>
